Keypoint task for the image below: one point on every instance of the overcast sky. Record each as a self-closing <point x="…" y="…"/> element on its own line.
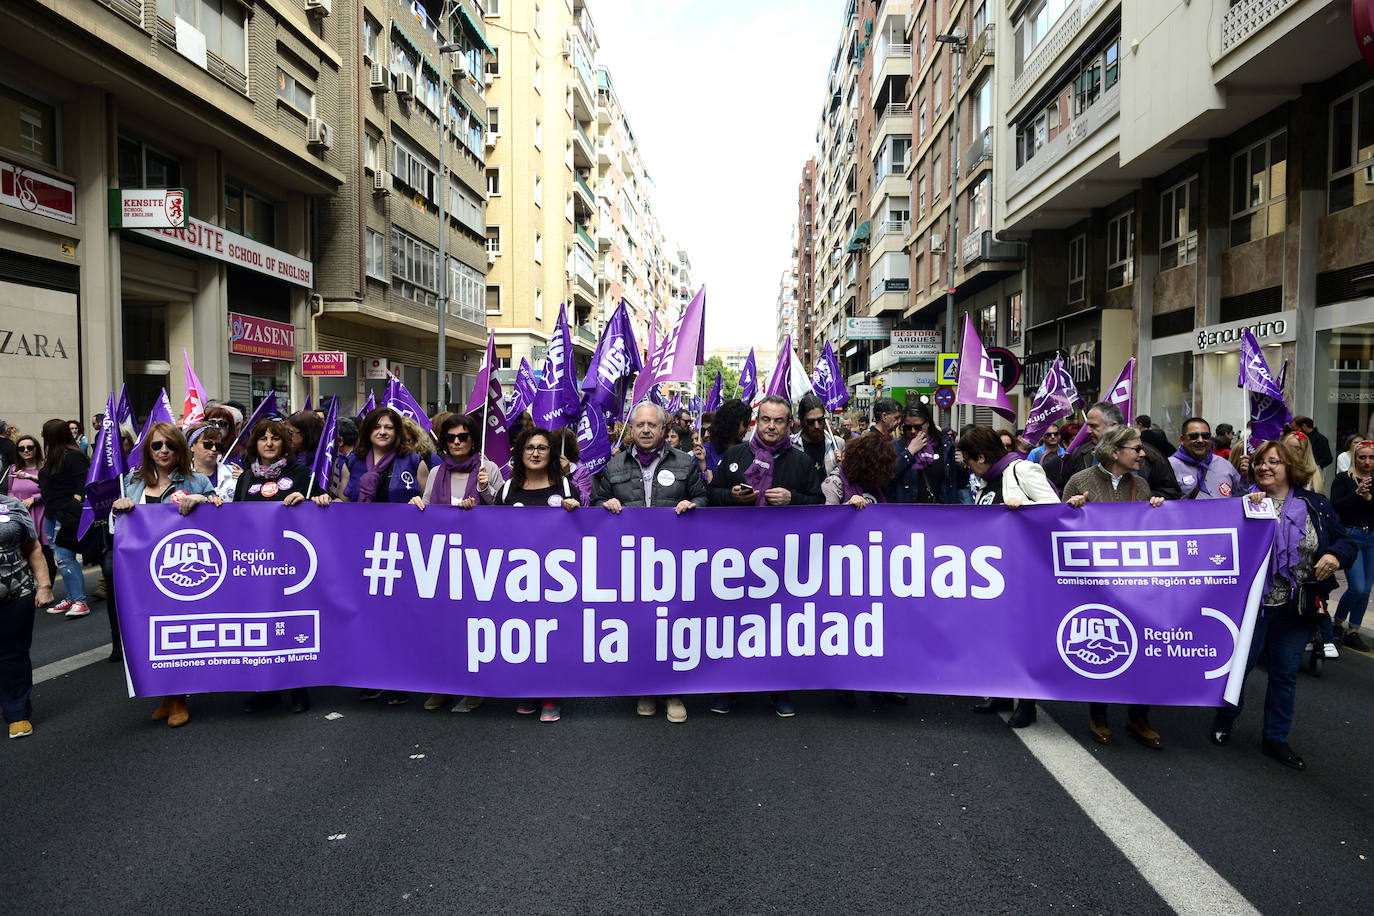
<point x="723" y="97"/>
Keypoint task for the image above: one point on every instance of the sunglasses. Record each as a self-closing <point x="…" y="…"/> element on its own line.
<point x="819" y="421"/>
<point x="161" y="445"/>
<point x="1138" y="449"/>
<point x="458" y="437"/>
<point x="913" y="427"/>
<point x="213" y="445"/>
<point x="1193" y="437"/>
<point x="219" y="424"/>
<point x="1051" y="435"/>
<point x="28" y="448"/>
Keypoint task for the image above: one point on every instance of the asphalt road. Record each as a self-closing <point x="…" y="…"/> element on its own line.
<point x="923" y="808"/>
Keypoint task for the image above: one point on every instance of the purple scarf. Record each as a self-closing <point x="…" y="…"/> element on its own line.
<point x="367" y="484"/>
<point x="1202" y="466"/>
<point x="1287" y="538"/>
<point x="850" y="490"/>
<point x="1001" y="464"/>
<point x="925" y="457"/>
<point x="646" y="459"/>
<point x="268" y="472"/>
<point x="442" y="493"/>
<point x="759" y="474"/>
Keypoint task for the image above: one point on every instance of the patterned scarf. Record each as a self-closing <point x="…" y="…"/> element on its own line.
<point x="271" y="471"/>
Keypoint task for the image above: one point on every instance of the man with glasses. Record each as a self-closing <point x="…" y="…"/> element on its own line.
<point x="766" y="471"/>
<point x="650" y="473"/>
<point x="814" y="438"/>
<point x="919" y="472"/>
<point x="1050" y="444"/>
<point x="1101" y="417"/>
<point x="1200" y="473"/>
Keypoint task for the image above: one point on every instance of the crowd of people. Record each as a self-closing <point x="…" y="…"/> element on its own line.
<point x="737" y="455"/>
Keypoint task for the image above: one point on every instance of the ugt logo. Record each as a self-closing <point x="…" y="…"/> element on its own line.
<point x="1097" y="641"/>
<point x="187" y="565"/>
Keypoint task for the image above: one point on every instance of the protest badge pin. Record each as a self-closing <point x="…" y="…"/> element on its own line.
<point x="734" y="466"/>
<point x="1263" y="509"/>
<point x="269" y="489"/>
<point x="1189" y="480"/>
<point x="284" y="483"/>
<point x="665" y="478"/>
<point x="178" y="496"/>
<point x="255" y="489"/>
<point x="555" y="501"/>
<point x="1225" y="489"/>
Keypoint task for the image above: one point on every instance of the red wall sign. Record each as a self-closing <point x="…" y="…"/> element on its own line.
<point x="250" y="336"/>
<point x="25" y="189"/>
<point x="1362" y="18"/>
<point x="324" y="363"/>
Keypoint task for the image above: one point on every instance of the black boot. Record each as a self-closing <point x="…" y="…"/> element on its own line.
<point x="993" y="704"/>
<point x="300" y="699"/>
<point x="257" y="702"/>
<point x="1024" y="715"/>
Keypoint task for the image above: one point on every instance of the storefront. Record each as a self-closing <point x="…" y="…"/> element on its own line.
<point x="1218" y="369"/>
<point x="1083" y="362"/>
<point x="1343" y="383"/>
<point x="262" y="353"/>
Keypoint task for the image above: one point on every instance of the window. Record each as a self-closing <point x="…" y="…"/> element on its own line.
<point x="465" y="290"/>
<point x="538" y="304"/>
<point x="980" y="17"/>
<point x="414" y="269"/>
<point x="1178" y="219"/>
<point x="249" y="214"/>
<point x="220" y="21"/>
<point x="1259" y="182"/>
<point x="491" y="8"/>
<point x="465" y="206"/>
<point x="538" y="248"/>
<point x="415" y="170"/>
<point x="28" y="127"/>
<point x="374" y="158"/>
<point x="494" y="121"/>
<point x="493" y="66"/>
<point x="372" y="38"/>
<point x="982" y="106"/>
<point x="936" y="93"/>
<point x="494" y="181"/>
<point x="538" y="18"/>
<point x="1014" y="319"/>
<point x="922" y="121"/>
<point x="538" y="191"/>
<point x="141" y="166"/>
<point x="494" y="240"/>
<point x="376" y="255"/>
<point x="493" y="300"/>
<point x="980" y="204"/>
<point x="937" y="179"/>
<point x="987" y="324"/>
<point x="297" y="94"/>
<point x="1078" y="264"/>
<point x="1121" y="250"/>
<point x="1034" y="25"/>
<point x="538" y="134"/>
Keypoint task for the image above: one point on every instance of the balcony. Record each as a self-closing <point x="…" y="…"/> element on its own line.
<point x="584" y="333"/>
<point x="889" y="297"/>
<point x="589" y="197"/>
<point x="979" y="245"/>
<point x="979" y="48"/>
<point x="979" y="151"/>
<point x="583" y="269"/>
<point x="890" y="60"/>
<point x="887" y="231"/>
<point x="585" y="238"/>
<point x="584" y="78"/>
<point x="1053" y="46"/>
<point x="894" y="119"/>
<point x="605" y="229"/>
<point x="1077" y="132"/>
<point x="1247" y="17"/>
<point x="583" y="148"/>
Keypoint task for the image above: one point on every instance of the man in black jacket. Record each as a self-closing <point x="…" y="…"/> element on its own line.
<point x="766" y="471"/>
<point x="1321" y="448"/>
<point x="1102" y="416"/>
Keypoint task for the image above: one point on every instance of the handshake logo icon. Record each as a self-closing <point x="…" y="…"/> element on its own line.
<point x="1097" y="641"/>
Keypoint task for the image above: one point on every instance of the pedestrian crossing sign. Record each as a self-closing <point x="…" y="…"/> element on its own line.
<point x="947" y="369"/>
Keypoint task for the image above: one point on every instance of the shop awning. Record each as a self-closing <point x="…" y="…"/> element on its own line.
<point x="860" y="236"/>
<point x="475" y="30"/>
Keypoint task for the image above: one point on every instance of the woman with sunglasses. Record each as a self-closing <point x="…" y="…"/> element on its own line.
<point x="1352" y="493"/>
<point x="384" y="467"/>
<point x="207" y="445"/>
<point x="24" y="487"/>
<point x="538" y="480"/>
<point x="1114" y="480"/>
<point x="919" y="476"/>
<point x="62" y="482"/>
<point x="164" y="475"/>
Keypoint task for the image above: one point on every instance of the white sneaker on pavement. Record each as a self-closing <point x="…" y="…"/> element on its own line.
<point x="1328" y="649"/>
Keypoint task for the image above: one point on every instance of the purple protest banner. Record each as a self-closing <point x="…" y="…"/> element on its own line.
<point x="399" y="399"/>
<point x="593" y="439"/>
<point x="124" y="412"/>
<point x="713" y="399"/>
<point x="556" y="396"/>
<point x="522" y="395"/>
<point x="614" y="365"/>
<point x="749" y="379"/>
<point x="828" y="383"/>
<point x="266" y="410"/>
<point x="322" y="468"/>
<point x="368" y="406"/>
<point x="1268" y="412"/>
<point x="1122" y="394"/>
<point x="486" y="402"/>
<point x="1117" y="603"/>
<point x="161" y="412"/>
<point x="105" y="477"/>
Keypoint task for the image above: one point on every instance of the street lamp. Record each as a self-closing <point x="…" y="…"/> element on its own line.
<point x="958" y="44"/>
<point x="441" y="401"/>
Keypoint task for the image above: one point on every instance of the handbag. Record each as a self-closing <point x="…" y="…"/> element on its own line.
<point x="1306" y="604"/>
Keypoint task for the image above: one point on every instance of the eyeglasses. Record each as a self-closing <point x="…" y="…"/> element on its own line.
<point x="161" y="445"/>
<point x="1051" y="435"/>
<point x="818" y="421"/>
<point x="458" y="437"/>
<point x="536" y="449"/>
<point x="1193" y="437"/>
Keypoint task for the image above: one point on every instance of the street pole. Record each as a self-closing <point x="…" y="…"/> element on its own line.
<point x="957" y="41"/>
<point x="441" y="400"/>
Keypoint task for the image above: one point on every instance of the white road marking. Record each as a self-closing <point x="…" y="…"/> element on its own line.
<point x="68" y="665"/>
<point x="1175" y="871"/>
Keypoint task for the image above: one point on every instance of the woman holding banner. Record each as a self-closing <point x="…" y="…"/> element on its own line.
<point x="1008" y="480"/>
<point x="537" y="479"/>
<point x="207" y="449"/>
<point x="384" y="467"/>
<point x="164" y="475"/>
<point x="1114" y="480"/>
<point x="1310" y="544"/>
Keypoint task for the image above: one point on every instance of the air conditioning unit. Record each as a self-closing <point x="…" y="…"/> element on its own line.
<point x="491" y="139"/>
<point x="381" y="182"/>
<point x="937" y="243"/>
<point x="405" y="86"/>
<point x="319" y="134"/>
<point x="460" y="68"/>
<point x="488" y="78"/>
<point x="318" y="6"/>
<point x="491" y="258"/>
<point x="567" y="47"/>
<point x="377" y="77"/>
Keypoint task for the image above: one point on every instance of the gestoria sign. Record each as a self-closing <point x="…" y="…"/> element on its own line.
<point x="223" y="245"/>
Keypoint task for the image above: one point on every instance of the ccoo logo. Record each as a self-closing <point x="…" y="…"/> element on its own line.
<point x="187" y="565"/>
<point x="1097" y="641"/>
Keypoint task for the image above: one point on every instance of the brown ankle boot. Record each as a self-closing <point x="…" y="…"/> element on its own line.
<point x="178" y="715"/>
<point x="164" y="708"/>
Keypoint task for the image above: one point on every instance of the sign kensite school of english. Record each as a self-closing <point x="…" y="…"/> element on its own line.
<point x="1113" y="602"/>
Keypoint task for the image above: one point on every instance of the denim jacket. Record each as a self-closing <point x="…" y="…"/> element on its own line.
<point x="194" y="485"/>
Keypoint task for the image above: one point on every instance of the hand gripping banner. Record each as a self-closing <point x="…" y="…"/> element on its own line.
<point x="1114" y="602"/>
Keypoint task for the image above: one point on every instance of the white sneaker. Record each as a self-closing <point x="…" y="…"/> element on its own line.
<point x="1330" y="651"/>
<point x="677" y="710"/>
<point x="78" y="609"/>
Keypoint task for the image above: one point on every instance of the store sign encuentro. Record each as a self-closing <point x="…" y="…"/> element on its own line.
<point x="1228" y="336"/>
<point x="223" y="245"/>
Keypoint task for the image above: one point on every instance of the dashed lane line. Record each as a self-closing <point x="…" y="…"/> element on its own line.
<point x="71" y="663"/>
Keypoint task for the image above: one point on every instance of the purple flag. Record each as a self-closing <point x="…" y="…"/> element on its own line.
<point x="749" y="379"/>
<point x="644" y="381"/>
<point x="674" y="404"/>
<point x="161" y="412"/>
<point x="105" y="478"/>
<point x="556" y="399"/>
<point x="827" y="381"/>
<point x="979" y="383"/>
<point x="1268" y="412"/>
<point x="399" y="399"/>
<point x="1056" y="398"/>
<point x="614" y="365"/>
<point x="522" y="395"/>
<point x="593" y="439"/>
<point x="684" y="346"/>
<point x="486" y="400"/>
<point x="322" y="468"/>
<point x="266" y="409"/>
<point x="306" y="405"/>
<point x="1122" y="394"/>
<point x="368" y="406"/>
<point x="124" y="412"/>
<point x="713" y="396"/>
<point x="656" y="396"/>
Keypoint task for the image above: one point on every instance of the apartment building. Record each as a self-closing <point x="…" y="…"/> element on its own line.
<point x="786" y="309"/>
<point x="735" y="358"/>
<point x="1181" y="172"/>
<point x="804" y="264"/>
<point x="103" y="94"/>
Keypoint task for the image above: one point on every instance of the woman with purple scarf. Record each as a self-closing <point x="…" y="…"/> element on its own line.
<point x="863" y="473"/>
<point x="1310" y="544"/>
<point x="1007" y="480"/>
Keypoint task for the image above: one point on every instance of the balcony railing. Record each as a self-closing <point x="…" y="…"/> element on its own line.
<point x="979" y="48"/>
<point x="586" y="238"/>
<point x="1054" y="44"/>
<point x="1247" y="17"/>
<point x="899" y="227"/>
<point x="582" y="183"/>
<point x="583" y="134"/>
<point x="584" y="332"/>
<point x="1080" y="129"/>
<point x="979" y="150"/>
